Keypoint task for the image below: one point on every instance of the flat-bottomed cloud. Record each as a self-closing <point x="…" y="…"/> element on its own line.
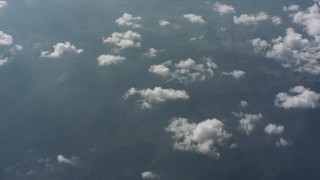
<point x="61" y="49"/>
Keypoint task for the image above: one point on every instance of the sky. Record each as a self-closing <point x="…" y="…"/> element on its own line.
<point x="149" y="89"/>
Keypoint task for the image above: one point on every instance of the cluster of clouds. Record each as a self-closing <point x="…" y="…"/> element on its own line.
<point x="6" y="41"/>
<point x="129" y="20"/>
<point x="148" y="97"/>
<point x="194" y="19"/>
<point x="61" y="49"/>
<point x="148" y="175"/>
<point x="293" y="50"/>
<point x="186" y="71"/>
<point x="202" y="137"/>
<point x="124" y="39"/>
<point x="298" y="97"/>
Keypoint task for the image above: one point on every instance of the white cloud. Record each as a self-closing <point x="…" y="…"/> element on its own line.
<point x="237" y="74"/>
<point x="149" y="175"/>
<point x="61" y="49"/>
<point x="105" y="60"/>
<point x="276" y="20"/>
<point x="128" y="20"/>
<point x="16" y="48"/>
<point x="5" y="39"/>
<point x="124" y="40"/>
<point x="186" y="71"/>
<point x="202" y="138"/>
<point x="164" y="22"/>
<point x="3" y="61"/>
<point x="298" y="97"/>
<point x="292" y="51"/>
<point x="249" y="19"/>
<point x="151" y="53"/>
<point x="292" y="7"/>
<point x="2" y="3"/>
<point x="248" y="122"/>
<point x="223" y="8"/>
<point x="310" y="19"/>
<point x="244" y="104"/>
<point x="63" y="160"/>
<point x="274" y="129"/>
<point x="283" y="143"/>
<point x="233" y="146"/>
<point x="157" y="95"/>
<point x="194" y="19"/>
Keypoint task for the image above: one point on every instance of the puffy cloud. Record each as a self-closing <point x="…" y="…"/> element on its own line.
<point x="124" y="40"/>
<point x="248" y="122"/>
<point x="276" y="20"/>
<point x="151" y="53"/>
<point x="105" y="60"/>
<point x="2" y="3"/>
<point x="237" y="74"/>
<point x="298" y="97"/>
<point x="202" y="138"/>
<point x="186" y="71"/>
<point x="15" y="49"/>
<point x="128" y="20"/>
<point x="61" y="49"/>
<point x="164" y="22"/>
<point x="244" y="104"/>
<point x="292" y="51"/>
<point x="157" y="95"/>
<point x="223" y="8"/>
<point x="292" y="7"/>
<point x="149" y="175"/>
<point x="274" y="129"/>
<point x="194" y="19"/>
<point x="5" y="39"/>
<point x="251" y="18"/>
<point x="63" y="160"/>
<point x="310" y="19"/>
<point x="3" y="61"/>
<point x="283" y="143"/>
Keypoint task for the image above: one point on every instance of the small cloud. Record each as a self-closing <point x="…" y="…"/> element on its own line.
<point x="61" y="49"/>
<point x="274" y="129"/>
<point x="194" y="19"/>
<point x="248" y="122"/>
<point x="249" y="19"/>
<point x="292" y="7"/>
<point x="223" y="8"/>
<point x="105" y="60"/>
<point x="3" y="61"/>
<point x="124" y="40"/>
<point x="276" y="20"/>
<point x="244" y="104"/>
<point x="202" y="138"/>
<point x="283" y="143"/>
<point x="128" y="20"/>
<point x="148" y="97"/>
<point x="148" y="175"/>
<point x="237" y="74"/>
<point x="164" y="22"/>
<point x="5" y="39"/>
<point x="298" y="97"/>
<point x="16" y="48"/>
<point x="151" y="53"/>
<point x="233" y="146"/>
<point x="63" y="160"/>
<point x="2" y="4"/>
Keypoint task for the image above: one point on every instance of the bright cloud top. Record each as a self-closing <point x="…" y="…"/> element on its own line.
<point x="194" y="19"/>
<point x="128" y="20"/>
<point x="248" y="122"/>
<point x="2" y="3"/>
<point x="151" y="53"/>
<point x="3" y="61"/>
<point x="223" y="8"/>
<point x="249" y="19"/>
<point x="148" y="97"/>
<point x="163" y="22"/>
<point x="292" y="7"/>
<point x="274" y="129"/>
<point x="244" y="104"/>
<point x="148" y="175"/>
<point x="283" y="143"/>
<point x="105" y="60"/>
<point x="186" y="71"/>
<point x="5" y="39"/>
<point x="276" y="20"/>
<point x="61" y="49"/>
<point x="202" y="138"/>
<point x="63" y="160"/>
<point x="237" y="74"/>
<point x="124" y="40"/>
<point x="298" y="97"/>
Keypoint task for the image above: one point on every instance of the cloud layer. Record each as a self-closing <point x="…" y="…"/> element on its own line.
<point x="202" y="138"/>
